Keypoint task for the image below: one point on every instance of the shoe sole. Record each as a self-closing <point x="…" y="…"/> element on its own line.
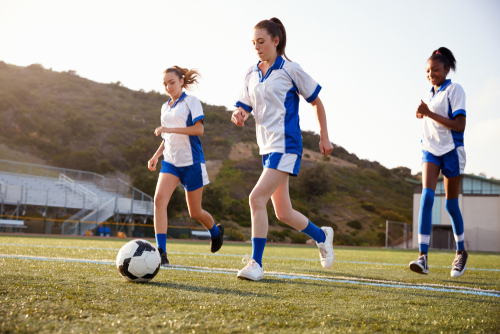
<point x="330" y="241"/>
<point x="242" y="277"/>
<point x="418" y="269"/>
<point x="459" y="273"/>
<point x="221" y="233"/>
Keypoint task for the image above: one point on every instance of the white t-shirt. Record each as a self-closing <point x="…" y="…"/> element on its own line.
<point x="448" y="101"/>
<point x="182" y="150"/>
<point x="274" y="100"/>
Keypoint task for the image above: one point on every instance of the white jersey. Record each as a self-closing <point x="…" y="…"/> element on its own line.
<point x="274" y="100"/>
<point x="448" y="101"/>
<point x="182" y="150"/>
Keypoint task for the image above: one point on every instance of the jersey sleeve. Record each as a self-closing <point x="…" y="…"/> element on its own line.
<point x="244" y="98"/>
<point x="306" y="85"/>
<point x="196" y="109"/>
<point x="456" y="97"/>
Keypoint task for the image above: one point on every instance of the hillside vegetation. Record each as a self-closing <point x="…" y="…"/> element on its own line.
<point x="69" y="121"/>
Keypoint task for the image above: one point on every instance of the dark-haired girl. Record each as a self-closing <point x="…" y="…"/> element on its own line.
<point x="271" y="91"/>
<point x="443" y="114"/>
<point x="184" y="162"/>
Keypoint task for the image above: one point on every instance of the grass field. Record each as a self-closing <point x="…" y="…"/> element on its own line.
<point x="71" y="285"/>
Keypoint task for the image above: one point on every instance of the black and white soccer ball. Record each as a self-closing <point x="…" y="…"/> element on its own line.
<point x="138" y="261"/>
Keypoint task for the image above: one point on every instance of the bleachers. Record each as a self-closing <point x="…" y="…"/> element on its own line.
<point x="97" y="197"/>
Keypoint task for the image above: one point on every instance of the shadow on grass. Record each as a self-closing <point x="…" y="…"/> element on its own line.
<point x="205" y="289"/>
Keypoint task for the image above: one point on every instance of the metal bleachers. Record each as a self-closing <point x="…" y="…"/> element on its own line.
<point x="98" y="198"/>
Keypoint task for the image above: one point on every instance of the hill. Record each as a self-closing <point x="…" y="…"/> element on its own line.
<point x="68" y="121"/>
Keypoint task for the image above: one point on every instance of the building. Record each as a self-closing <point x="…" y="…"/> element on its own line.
<point x="479" y="201"/>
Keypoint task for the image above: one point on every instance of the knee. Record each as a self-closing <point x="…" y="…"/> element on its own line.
<point x="427" y="198"/>
<point x="451" y="205"/>
<point x="161" y="201"/>
<point x="195" y="214"/>
<point x="283" y="215"/>
<point x="256" y="201"/>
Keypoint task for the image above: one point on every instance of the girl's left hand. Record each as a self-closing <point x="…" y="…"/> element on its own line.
<point x="325" y="147"/>
<point x="423" y="110"/>
<point x="161" y="129"/>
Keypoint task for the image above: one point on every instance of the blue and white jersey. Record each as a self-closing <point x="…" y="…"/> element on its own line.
<point x="274" y="100"/>
<point x="448" y="101"/>
<point x="182" y="150"/>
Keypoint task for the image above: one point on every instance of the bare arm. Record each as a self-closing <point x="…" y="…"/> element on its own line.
<point x="194" y="130"/>
<point x="154" y="160"/>
<point x="325" y="146"/>
<point x="456" y="124"/>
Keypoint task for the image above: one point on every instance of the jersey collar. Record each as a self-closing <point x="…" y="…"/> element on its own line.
<point x="442" y="87"/>
<point x="182" y="97"/>
<point x="278" y="64"/>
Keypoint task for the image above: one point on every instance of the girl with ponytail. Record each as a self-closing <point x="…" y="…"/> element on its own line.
<point x="443" y="114"/>
<point x="181" y="124"/>
<point x="271" y="90"/>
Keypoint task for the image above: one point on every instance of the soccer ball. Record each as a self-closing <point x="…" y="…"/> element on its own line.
<point x="138" y="261"/>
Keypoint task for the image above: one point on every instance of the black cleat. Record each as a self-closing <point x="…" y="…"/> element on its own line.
<point x="459" y="264"/>
<point x="163" y="256"/>
<point x="216" y="243"/>
<point x="420" y="265"/>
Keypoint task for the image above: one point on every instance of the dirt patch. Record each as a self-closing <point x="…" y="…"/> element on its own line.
<point x="242" y="151"/>
<point x="309" y="155"/>
<point x="213" y="167"/>
<point x="7" y="153"/>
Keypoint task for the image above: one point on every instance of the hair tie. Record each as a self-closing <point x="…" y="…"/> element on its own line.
<point x="438" y="53"/>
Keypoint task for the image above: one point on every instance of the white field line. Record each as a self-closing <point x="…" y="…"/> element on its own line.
<point x="266" y="273"/>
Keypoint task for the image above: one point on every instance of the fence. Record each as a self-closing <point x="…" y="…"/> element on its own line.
<point x="397" y="235"/>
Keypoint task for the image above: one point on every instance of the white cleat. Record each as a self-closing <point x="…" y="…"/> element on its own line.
<point x="252" y="271"/>
<point x="326" y="253"/>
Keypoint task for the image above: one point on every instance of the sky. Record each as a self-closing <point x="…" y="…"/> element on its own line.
<point x="369" y="57"/>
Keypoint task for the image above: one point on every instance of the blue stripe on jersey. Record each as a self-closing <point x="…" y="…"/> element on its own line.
<point x="243" y="106"/>
<point x="458" y="137"/>
<point x="314" y="95"/>
<point x="198" y="118"/>
<point x="293" y="135"/>
<point x="195" y="142"/>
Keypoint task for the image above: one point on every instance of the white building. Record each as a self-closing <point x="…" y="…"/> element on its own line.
<point x="479" y="201"/>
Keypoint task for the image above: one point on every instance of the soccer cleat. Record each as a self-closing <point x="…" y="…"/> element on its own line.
<point x="326" y="253"/>
<point x="216" y="243"/>
<point x="252" y="271"/>
<point x="459" y="264"/>
<point x="163" y="256"/>
<point x="420" y="265"/>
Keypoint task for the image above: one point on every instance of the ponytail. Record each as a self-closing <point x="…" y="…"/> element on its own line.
<point x="190" y="76"/>
<point x="275" y="28"/>
<point x="445" y="56"/>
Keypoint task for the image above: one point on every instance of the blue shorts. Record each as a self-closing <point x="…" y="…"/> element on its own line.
<point x="285" y="162"/>
<point x="452" y="163"/>
<point x="192" y="177"/>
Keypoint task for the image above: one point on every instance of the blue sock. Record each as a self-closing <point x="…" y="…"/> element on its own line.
<point x="314" y="232"/>
<point x="425" y="219"/>
<point x="457" y="222"/>
<point x="161" y="241"/>
<point x="214" y="231"/>
<point x="258" y="245"/>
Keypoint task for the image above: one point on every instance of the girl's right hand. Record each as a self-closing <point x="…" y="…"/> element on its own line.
<point x="152" y="163"/>
<point x="239" y="116"/>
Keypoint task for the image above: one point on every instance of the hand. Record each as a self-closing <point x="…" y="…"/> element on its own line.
<point x="152" y="163"/>
<point x="325" y="146"/>
<point x="161" y="129"/>
<point x="239" y="116"/>
<point x="423" y="110"/>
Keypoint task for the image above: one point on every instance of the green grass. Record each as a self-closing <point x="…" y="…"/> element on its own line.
<point x="60" y="296"/>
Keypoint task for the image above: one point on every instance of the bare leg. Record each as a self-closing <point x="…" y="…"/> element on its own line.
<point x="452" y="186"/>
<point x="193" y="199"/>
<point x="164" y="190"/>
<point x="283" y="207"/>
<point x="269" y="181"/>
<point x="430" y="175"/>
